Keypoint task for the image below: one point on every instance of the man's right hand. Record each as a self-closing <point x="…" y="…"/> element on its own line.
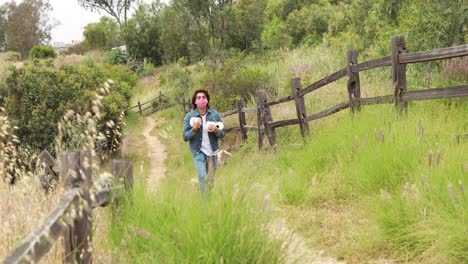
<point x="196" y="125"/>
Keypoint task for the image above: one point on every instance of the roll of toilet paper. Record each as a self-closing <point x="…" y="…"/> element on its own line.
<point x="195" y="120"/>
<point x="220" y="125"/>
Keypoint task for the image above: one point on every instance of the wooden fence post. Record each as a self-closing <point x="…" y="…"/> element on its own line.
<point x="50" y="166"/>
<point x="266" y="117"/>
<point x="354" y="84"/>
<point x="259" y="102"/>
<point x="139" y="108"/>
<point x="123" y="169"/>
<point x="242" y="121"/>
<point x="76" y="171"/>
<point x="398" y="70"/>
<point x="296" y="86"/>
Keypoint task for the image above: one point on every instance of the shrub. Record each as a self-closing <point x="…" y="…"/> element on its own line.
<point x="37" y="97"/>
<point x="148" y="69"/>
<point x="13" y="56"/>
<point x="117" y="56"/>
<point x="183" y="61"/>
<point x="180" y="81"/>
<point x="233" y="81"/>
<point x="42" y="52"/>
<point x="123" y="78"/>
<point x="79" y="48"/>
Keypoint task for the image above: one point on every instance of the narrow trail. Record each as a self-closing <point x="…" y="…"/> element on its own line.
<point x="297" y="252"/>
<point x="156" y="155"/>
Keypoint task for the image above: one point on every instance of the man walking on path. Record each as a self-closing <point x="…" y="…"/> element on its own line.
<point x="202" y="128"/>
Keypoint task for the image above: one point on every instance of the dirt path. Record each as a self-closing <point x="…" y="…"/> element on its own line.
<point x="156" y="155"/>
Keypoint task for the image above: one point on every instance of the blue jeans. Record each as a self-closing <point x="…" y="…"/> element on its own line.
<point x="201" y="164"/>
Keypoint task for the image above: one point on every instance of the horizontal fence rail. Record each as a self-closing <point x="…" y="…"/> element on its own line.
<point x="160" y="102"/>
<point x="372" y="64"/>
<point x="437" y="93"/>
<point x="330" y="111"/>
<point x="397" y="60"/>
<point x="71" y="218"/>
<point x="279" y="101"/>
<point x="327" y="80"/>
<point x="41" y="240"/>
<point x="229" y="113"/>
<point x="437" y="54"/>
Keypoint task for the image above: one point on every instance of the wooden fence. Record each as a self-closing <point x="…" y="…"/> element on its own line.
<point x="160" y="102"/>
<point x="398" y="60"/>
<point x="72" y="218"/>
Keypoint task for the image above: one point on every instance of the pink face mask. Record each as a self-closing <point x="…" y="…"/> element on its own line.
<point x="201" y="103"/>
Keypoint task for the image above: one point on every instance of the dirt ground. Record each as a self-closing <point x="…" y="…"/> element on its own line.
<point x="157" y="155"/>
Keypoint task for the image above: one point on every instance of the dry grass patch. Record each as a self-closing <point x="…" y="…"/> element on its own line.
<point x="23" y="208"/>
<point x="344" y="232"/>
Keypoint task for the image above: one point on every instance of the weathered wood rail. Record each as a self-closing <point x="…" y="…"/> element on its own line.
<point x="160" y="102"/>
<point x="398" y="60"/>
<point x="72" y="217"/>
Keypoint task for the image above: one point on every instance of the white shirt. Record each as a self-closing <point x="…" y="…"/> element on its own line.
<point x="205" y="144"/>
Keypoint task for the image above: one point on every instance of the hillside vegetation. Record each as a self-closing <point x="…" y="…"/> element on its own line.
<point x="376" y="186"/>
<point x="369" y="187"/>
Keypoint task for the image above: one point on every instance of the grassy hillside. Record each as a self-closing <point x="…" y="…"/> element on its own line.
<point x="374" y="186"/>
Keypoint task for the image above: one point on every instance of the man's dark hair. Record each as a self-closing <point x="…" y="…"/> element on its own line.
<point x="194" y="97"/>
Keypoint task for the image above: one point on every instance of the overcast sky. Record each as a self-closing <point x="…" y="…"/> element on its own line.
<point x="71" y="19"/>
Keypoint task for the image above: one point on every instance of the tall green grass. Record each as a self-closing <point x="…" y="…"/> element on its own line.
<point x="379" y="160"/>
<point x="359" y="187"/>
<point x="177" y="225"/>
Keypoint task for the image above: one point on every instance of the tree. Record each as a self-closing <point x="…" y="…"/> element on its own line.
<point x="173" y="40"/>
<point x="3" y="22"/>
<point x="250" y="16"/>
<point x="115" y="8"/>
<point x="142" y="33"/>
<point x="102" y="35"/>
<point x="25" y="25"/>
<point x="434" y="24"/>
<point x="307" y="24"/>
<point x="275" y="35"/>
<point x="198" y="17"/>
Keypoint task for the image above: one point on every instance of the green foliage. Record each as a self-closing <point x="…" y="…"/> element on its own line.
<point x="364" y="25"/>
<point x="116" y="56"/>
<point x="179" y="81"/>
<point x="308" y="24"/>
<point x="12" y="56"/>
<point x="142" y="34"/>
<point x="174" y="41"/>
<point x="42" y="52"/>
<point x="175" y="225"/>
<point x="37" y="97"/>
<point x="199" y="30"/>
<point x="381" y="160"/>
<point x="148" y="69"/>
<point x="194" y="230"/>
<point x="232" y="81"/>
<point x="104" y="34"/>
<point x="433" y="24"/>
<point x="275" y="35"/>
<point x="24" y="25"/>
<point x="247" y="31"/>
<point x="368" y="25"/>
<point x="182" y="61"/>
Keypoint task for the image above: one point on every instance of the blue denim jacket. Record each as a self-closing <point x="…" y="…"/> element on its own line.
<point x="195" y="138"/>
